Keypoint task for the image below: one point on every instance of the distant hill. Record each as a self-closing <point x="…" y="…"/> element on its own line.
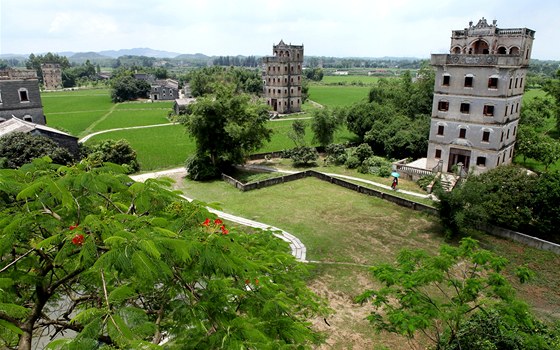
<point x="190" y="56"/>
<point x="87" y="55"/>
<point x="139" y="52"/>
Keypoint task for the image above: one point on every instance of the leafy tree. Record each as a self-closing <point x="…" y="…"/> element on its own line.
<point x="129" y="265"/>
<point x="536" y="111"/>
<point x="118" y="152"/>
<point x="547" y="150"/>
<point x="501" y="196"/>
<point x="336" y="154"/>
<point x="297" y="134"/>
<point x="552" y="88"/>
<point x="207" y="80"/>
<point x="303" y="155"/>
<point x="315" y="74"/>
<point x="546" y="211"/>
<point x="324" y="124"/>
<point x="35" y="61"/>
<point x="20" y="148"/>
<point x="527" y="142"/>
<point x="227" y="127"/>
<point x="126" y="88"/>
<point x="436" y="294"/>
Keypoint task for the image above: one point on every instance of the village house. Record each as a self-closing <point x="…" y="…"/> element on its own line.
<point x="166" y="90"/>
<point x="20" y="96"/>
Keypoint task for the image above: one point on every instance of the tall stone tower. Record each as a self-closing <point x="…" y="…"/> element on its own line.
<point x="52" y="76"/>
<point x="282" y="78"/>
<point x="477" y="97"/>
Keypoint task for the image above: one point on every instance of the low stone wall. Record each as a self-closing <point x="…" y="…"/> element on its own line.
<point x="521" y="238"/>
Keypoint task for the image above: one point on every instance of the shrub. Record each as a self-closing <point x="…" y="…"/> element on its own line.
<point x="336" y="154"/>
<point x="363" y="152"/>
<point x="201" y="168"/>
<point x="352" y="162"/>
<point x="304" y="155"/>
<point x="376" y="165"/>
<point x="119" y="152"/>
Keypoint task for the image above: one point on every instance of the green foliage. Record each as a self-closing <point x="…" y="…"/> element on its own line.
<point x="506" y="196"/>
<point x="336" y="154"/>
<point x="227" y="127"/>
<point x="207" y="80"/>
<point x="139" y="264"/>
<point x="126" y="88"/>
<point x="20" y="148"/>
<point x="438" y="294"/>
<point x="376" y="166"/>
<point x="297" y="134"/>
<point x="302" y="155"/>
<point x="510" y="327"/>
<point x="201" y="168"/>
<point x="362" y="152"/>
<point x="315" y="74"/>
<point x="324" y="124"/>
<point x="35" y="61"/>
<point x="119" y="152"/>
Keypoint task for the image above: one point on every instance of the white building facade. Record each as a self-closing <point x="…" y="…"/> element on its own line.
<point x="477" y="97"/>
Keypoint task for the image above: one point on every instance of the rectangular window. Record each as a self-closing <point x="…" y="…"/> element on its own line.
<point x="510" y="152"/>
<point x="23" y="96"/>
<point x="521" y="82"/>
<point x="486" y="136"/>
<point x="516" y="81"/>
<point x="462" y="133"/>
<point x="493" y="83"/>
<point x="468" y="81"/>
<point x="507" y="136"/>
<point x="440" y="129"/>
<point x="443" y="106"/>
<point x="514" y="130"/>
<point x="481" y="161"/>
<point x="517" y="107"/>
<point x="502" y="138"/>
<point x="465" y="108"/>
<point x="510" y="82"/>
<point x="446" y="79"/>
<point x="438" y="153"/>
<point x="488" y="110"/>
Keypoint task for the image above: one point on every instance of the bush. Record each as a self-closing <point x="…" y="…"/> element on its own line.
<point x="201" y="168"/>
<point x="119" y="152"/>
<point x="336" y="154"/>
<point x="376" y="165"/>
<point x="352" y="162"/>
<point x="304" y="155"/>
<point x="363" y="152"/>
<point x="20" y="148"/>
<point x="425" y="180"/>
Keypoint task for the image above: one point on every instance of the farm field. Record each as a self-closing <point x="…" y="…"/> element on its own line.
<point x="345" y="232"/>
<point x="349" y="79"/>
<point x="338" y="96"/>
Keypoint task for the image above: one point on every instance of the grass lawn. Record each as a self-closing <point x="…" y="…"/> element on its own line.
<point x="345" y="232"/>
<point x="166" y="105"/>
<point x="76" y="101"/>
<point x="132" y="117"/>
<point x="349" y="79"/>
<point x="157" y="148"/>
<point x="338" y="96"/>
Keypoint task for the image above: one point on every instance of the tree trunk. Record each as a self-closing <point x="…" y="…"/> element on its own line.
<point x="25" y="340"/>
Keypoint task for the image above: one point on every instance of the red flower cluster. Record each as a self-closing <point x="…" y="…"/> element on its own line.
<point x="224" y="230"/>
<point x="217" y="223"/>
<point x="78" y="240"/>
<point x="72" y="227"/>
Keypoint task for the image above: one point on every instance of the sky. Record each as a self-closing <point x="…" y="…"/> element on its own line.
<point x="339" y="28"/>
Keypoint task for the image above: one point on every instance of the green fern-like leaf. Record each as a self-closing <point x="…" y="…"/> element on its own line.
<point x="120" y="294"/>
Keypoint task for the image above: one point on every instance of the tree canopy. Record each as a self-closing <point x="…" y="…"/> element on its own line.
<point x="20" y="148"/>
<point x="97" y="261"/>
<point x="226" y="127"/>
<point x="126" y="87"/>
<point x="448" y="296"/>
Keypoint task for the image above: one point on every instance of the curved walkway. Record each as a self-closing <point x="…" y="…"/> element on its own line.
<point x="87" y="137"/>
<point x="297" y="248"/>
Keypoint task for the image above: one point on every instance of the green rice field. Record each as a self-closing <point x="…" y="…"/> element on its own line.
<point x="338" y="96"/>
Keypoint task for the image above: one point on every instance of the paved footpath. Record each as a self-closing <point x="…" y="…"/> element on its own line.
<point x="298" y="249"/>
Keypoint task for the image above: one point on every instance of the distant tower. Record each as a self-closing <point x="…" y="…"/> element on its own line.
<point x="52" y="76"/>
<point x="477" y="97"/>
<point x="282" y="78"/>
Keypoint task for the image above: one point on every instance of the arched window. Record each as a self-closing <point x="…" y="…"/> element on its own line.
<point x="456" y="50"/>
<point x="502" y="50"/>
<point x="514" y="51"/>
<point x="28" y="118"/>
<point x="480" y="47"/>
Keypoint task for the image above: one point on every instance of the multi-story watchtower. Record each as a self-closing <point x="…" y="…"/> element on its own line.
<point x="477" y="97"/>
<point x="282" y="78"/>
<point x="52" y="76"/>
